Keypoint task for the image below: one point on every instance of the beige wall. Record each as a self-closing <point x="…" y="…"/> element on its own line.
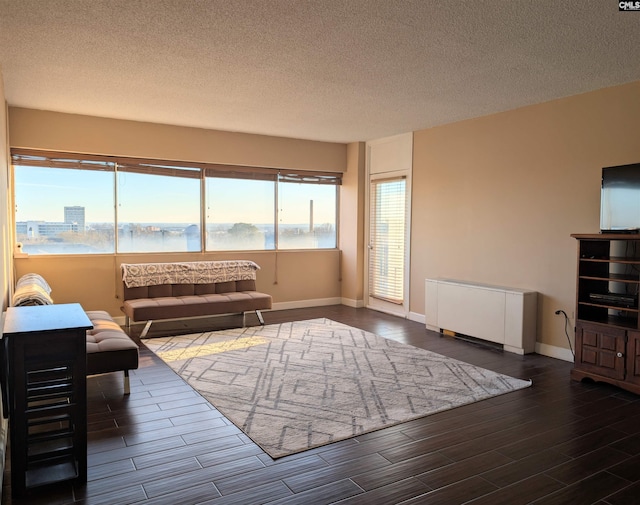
<point x="6" y="242"/>
<point x="294" y="278"/>
<point x="496" y="198"/>
<point x="37" y="129"/>
<point x="352" y="206"/>
<point x="6" y="270"/>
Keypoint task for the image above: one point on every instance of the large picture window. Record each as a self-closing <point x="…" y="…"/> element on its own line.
<point x="306" y="216"/>
<point x="240" y="211"/>
<point x="64" y="205"/>
<point x="158" y="208"/>
<point x="77" y="204"/>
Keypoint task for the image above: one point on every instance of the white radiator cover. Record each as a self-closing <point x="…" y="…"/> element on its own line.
<point x="497" y="314"/>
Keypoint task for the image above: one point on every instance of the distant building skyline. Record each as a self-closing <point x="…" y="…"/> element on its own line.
<point x="74" y="221"/>
<point x="75" y="214"/>
<point x="75" y="235"/>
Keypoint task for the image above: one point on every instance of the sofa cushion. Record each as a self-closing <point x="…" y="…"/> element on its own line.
<point x="109" y="348"/>
<point x="172" y="307"/>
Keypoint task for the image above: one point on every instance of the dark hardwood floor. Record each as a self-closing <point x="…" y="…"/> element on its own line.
<point x="557" y="442"/>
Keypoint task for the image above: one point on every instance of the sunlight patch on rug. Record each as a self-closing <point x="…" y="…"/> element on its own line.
<point x="294" y="386"/>
<point x="195" y="350"/>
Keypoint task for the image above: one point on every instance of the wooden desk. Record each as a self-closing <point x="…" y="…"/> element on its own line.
<point x="46" y="350"/>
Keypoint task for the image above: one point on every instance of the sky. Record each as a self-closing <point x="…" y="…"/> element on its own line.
<point x="42" y="194"/>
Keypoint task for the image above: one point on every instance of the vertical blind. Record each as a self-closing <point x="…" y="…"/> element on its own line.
<point x="387" y="239"/>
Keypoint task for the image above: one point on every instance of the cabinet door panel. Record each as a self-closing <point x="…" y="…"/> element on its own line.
<point x="589" y="356"/>
<point x="589" y="339"/>
<point x="608" y="342"/>
<point x="600" y="350"/>
<point x="633" y="357"/>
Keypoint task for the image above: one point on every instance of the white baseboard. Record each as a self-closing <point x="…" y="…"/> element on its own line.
<point x="350" y="302"/>
<point x="303" y="304"/>
<point x="553" y="351"/>
<point x="550" y="351"/>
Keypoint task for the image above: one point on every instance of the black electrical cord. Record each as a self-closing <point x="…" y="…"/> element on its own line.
<point x="566" y="331"/>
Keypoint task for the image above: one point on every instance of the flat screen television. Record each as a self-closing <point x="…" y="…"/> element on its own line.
<point x="620" y="199"/>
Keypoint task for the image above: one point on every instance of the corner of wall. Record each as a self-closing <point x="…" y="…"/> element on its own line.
<point x="352" y="224"/>
<point x="5" y="241"/>
<point x="5" y="222"/>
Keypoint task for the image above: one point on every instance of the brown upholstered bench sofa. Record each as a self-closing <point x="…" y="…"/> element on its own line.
<point x="109" y="348"/>
<point x="157" y="291"/>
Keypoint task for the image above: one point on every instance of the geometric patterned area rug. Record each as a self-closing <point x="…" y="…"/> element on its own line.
<point x="294" y="386"/>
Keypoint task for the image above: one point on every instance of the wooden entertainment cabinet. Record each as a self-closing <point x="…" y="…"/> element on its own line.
<point x="607" y="310"/>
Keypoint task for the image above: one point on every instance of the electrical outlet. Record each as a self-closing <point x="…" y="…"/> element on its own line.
<point x="564" y="313"/>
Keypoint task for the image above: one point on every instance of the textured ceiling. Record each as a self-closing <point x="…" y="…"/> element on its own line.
<point x="333" y="70"/>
